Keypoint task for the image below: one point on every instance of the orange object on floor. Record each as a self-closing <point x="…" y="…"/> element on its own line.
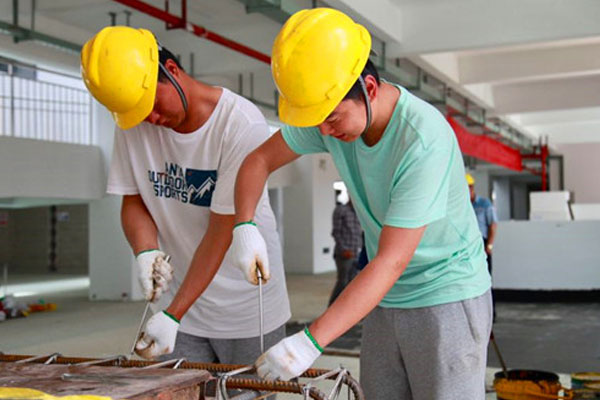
<point x="37" y="307"/>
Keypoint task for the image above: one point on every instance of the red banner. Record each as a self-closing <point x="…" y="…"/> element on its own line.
<point x="485" y="148"/>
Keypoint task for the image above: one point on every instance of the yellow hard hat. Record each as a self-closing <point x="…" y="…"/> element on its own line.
<point x="470" y="179"/>
<point x="119" y="66"/>
<point x="317" y="57"/>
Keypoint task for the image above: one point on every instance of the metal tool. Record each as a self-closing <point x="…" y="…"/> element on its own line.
<point x="50" y="359"/>
<point x="139" y="330"/>
<point x="339" y="374"/>
<point x="221" y="393"/>
<point x="497" y="350"/>
<point x="176" y="362"/>
<point x="260" y="312"/>
<point x="117" y="358"/>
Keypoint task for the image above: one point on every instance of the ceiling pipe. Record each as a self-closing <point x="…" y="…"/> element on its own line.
<point x="174" y="20"/>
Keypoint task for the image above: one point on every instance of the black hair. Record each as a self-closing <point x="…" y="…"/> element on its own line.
<point x="355" y="92"/>
<point x="163" y="55"/>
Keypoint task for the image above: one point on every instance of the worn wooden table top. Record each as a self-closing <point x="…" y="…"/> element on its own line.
<point x="114" y="382"/>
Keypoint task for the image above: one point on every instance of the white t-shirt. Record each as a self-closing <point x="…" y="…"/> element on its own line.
<point x="181" y="179"/>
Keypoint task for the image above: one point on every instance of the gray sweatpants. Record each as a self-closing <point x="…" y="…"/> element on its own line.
<point x="430" y="353"/>
<point x="223" y="351"/>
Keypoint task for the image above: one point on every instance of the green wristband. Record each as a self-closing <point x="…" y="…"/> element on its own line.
<point x="171" y="316"/>
<point x="313" y="340"/>
<point x="146" y="251"/>
<point x="244" y="223"/>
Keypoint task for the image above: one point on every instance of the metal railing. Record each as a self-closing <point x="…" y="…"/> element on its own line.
<point x="44" y="110"/>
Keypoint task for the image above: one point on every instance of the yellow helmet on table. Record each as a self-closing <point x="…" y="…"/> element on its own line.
<point x="317" y="57"/>
<point x="119" y="66"/>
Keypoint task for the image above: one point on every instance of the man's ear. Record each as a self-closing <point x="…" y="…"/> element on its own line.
<point x="372" y="87"/>
<point x="172" y="67"/>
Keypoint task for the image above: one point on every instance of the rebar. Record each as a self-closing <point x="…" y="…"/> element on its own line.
<point x="232" y="383"/>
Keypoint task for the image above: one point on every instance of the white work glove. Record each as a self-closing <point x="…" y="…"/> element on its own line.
<point x="159" y="336"/>
<point x="289" y="358"/>
<point x="249" y="252"/>
<point x="154" y="273"/>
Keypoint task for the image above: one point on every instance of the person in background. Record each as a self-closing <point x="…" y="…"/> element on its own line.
<point x="363" y="259"/>
<point x="487" y="219"/>
<point x="347" y="234"/>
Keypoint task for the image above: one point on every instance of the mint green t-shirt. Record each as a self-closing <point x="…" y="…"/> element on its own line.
<point x="414" y="176"/>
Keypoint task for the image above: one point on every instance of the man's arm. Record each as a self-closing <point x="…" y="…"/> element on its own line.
<point x="491" y="236"/>
<point x="205" y="263"/>
<point x="254" y="171"/>
<point x="396" y="249"/>
<point x="138" y="225"/>
<point x="294" y="354"/>
<point x="492" y="220"/>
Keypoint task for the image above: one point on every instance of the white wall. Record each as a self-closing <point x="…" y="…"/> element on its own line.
<point x="290" y="174"/>
<point x="298" y="220"/>
<point x="520" y="196"/>
<point x="581" y="166"/>
<point x="323" y="202"/>
<point x="502" y="200"/>
<point x="554" y="175"/>
<point x="112" y="276"/>
<point x="308" y="207"/>
<point x="546" y="255"/>
<point x="40" y="169"/>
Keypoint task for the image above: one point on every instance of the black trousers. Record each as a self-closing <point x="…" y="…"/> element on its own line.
<point x="489" y="263"/>
<point x="489" y="256"/>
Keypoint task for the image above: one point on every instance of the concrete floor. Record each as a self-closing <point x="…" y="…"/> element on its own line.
<point x="562" y="338"/>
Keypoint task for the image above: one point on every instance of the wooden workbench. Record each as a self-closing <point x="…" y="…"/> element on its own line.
<point x="114" y="382"/>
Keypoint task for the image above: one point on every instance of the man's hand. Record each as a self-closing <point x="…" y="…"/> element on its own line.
<point x="158" y="337"/>
<point x="154" y="273"/>
<point x="249" y="252"/>
<point x="289" y="358"/>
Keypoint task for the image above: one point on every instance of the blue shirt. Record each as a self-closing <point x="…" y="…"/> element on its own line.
<point x="413" y="177"/>
<point x="486" y="214"/>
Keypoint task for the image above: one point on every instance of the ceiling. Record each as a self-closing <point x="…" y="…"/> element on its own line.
<point x="550" y="89"/>
<point x="535" y="63"/>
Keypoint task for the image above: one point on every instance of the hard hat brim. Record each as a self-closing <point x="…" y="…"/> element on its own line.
<point x="305" y="116"/>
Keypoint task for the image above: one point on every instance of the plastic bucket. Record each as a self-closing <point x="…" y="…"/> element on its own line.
<point x="579" y="379"/>
<point x="529" y="385"/>
<point x="586" y="385"/>
<point x="590" y="391"/>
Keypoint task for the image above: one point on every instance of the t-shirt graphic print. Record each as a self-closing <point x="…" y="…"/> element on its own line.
<point x="186" y="185"/>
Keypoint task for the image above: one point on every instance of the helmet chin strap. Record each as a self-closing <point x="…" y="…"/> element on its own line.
<point x="176" y="85"/>
<point x="363" y="86"/>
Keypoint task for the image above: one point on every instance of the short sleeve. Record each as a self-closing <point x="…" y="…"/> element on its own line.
<point x="121" y="179"/>
<point x="235" y="149"/>
<point x="491" y="215"/>
<point x="304" y="140"/>
<point x="419" y="193"/>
